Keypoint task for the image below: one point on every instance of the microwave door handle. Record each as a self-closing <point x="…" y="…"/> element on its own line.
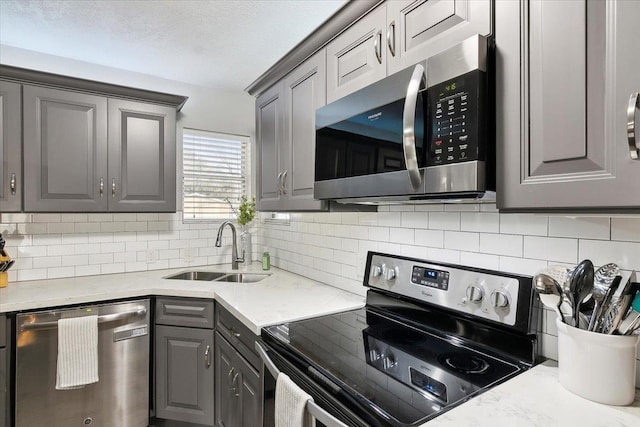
<point x="318" y="413"/>
<point x="408" y="126"/>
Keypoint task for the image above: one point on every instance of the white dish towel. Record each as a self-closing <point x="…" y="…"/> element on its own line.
<point x="291" y="402"/>
<point x="77" y="352"/>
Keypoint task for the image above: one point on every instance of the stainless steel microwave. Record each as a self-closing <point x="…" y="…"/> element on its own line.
<point x="423" y="134"/>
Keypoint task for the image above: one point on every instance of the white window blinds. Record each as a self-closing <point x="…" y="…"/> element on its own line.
<point x="214" y="174"/>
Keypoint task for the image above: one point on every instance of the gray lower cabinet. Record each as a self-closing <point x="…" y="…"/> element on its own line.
<point x="89" y="153"/>
<point x="238" y="389"/>
<point x="565" y="85"/>
<point x="184" y="374"/>
<point x="285" y="127"/>
<point x="5" y="378"/>
<point x="184" y="365"/>
<point x="10" y="147"/>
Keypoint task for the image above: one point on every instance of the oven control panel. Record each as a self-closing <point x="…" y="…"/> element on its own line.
<point x="483" y="294"/>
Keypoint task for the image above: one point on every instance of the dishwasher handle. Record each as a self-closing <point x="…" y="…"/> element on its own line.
<point x="105" y="318"/>
<point x="318" y="413"/>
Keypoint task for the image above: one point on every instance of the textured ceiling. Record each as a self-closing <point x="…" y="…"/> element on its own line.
<point x="216" y="43"/>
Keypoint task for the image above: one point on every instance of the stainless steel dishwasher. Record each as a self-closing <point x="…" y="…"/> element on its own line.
<point x="120" y="397"/>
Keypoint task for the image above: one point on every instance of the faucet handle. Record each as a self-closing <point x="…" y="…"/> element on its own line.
<point x="241" y="259"/>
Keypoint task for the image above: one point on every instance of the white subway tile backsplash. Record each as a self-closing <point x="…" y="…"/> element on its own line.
<point x="625" y="254"/>
<point x="414" y="219"/>
<point x="444" y="221"/>
<point x="553" y="249"/>
<point x="379" y="233"/>
<point x="57" y="272"/>
<point x="524" y="224"/>
<point x="431" y="238"/>
<point x="112" y="227"/>
<point x="480" y="260"/>
<point x="47" y="262"/>
<point x="404" y="236"/>
<point x="60" y="227"/>
<point x="46" y="218"/>
<point x="389" y="219"/>
<point x="461" y="241"/>
<point x="625" y="229"/>
<point x="580" y="227"/>
<point x="501" y="244"/>
<point x="481" y="222"/>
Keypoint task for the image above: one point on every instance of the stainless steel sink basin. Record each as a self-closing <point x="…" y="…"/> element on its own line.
<point x="215" y="276"/>
<point x="197" y="275"/>
<point x="242" y="277"/>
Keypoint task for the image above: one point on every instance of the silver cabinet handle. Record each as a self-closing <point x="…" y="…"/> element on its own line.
<point x="234" y="332"/>
<point x="113" y="187"/>
<point x="13" y="184"/>
<point x="234" y="386"/>
<point x="377" y="46"/>
<point x="229" y="376"/>
<point x="634" y="144"/>
<point x="408" y="126"/>
<point x="391" y="35"/>
<point x="207" y="356"/>
<point x="101" y="187"/>
<point x="105" y="318"/>
<point x="284" y="183"/>
<point x="279" y="183"/>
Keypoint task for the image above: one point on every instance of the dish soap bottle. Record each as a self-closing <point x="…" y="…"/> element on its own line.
<point x="266" y="261"/>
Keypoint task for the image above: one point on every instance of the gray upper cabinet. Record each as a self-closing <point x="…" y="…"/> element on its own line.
<point x="418" y="29"/>
<point x="563" y="96"/>
<point x="142" y="157"/>
<point x="65" y="151"/>
<point x="357" y="57"/>
<point x="88" y="153"/>
<point x="285" y="128"/>
<point x="270" y="137"/>
<point x="10" y="147"/>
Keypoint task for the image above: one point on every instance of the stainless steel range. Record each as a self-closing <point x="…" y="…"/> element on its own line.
<point x="431" y="336"/>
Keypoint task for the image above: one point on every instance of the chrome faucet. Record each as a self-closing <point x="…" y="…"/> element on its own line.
<point x="234" y="247"/>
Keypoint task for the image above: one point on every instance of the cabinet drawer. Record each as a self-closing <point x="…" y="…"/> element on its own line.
<point x="237" y="334"/>
<point x="191" y="312"/>
<point x="3" y="330"/>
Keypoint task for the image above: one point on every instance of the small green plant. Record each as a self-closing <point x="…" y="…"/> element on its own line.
<point x="246" y="211"/>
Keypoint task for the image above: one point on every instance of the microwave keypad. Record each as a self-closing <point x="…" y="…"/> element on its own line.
<point x="454" y="107"/>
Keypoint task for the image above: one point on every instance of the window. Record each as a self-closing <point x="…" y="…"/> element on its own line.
<point x="215" y="174"/>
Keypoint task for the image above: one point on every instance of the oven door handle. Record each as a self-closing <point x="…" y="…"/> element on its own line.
<point x="409" y="126"/>
<point x="318" y="413"/>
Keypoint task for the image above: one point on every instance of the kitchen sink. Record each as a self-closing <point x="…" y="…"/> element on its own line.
<point x="242" y="278"/>
<point x="216" y="276"/>
<point x="197" y="275"/>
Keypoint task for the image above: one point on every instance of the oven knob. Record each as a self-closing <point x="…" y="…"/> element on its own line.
<point x="389" y="362"/>
<point x="499" y="299"/>
<point x="389" y="273"/>
<point x="376" y="271"/>
<point x="374" y="355"/>
<point x="475" y="293"/>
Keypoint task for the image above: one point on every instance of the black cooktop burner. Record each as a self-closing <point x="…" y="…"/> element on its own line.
<point x="465" y="363"/>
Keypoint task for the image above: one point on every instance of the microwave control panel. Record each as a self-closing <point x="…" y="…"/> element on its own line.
<point x="456" y="116"/>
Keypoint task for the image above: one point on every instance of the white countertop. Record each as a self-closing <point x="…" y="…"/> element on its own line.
<point x="279" y="298"/>
<point x="536" y="399"/>
<point x="532" y="399"/>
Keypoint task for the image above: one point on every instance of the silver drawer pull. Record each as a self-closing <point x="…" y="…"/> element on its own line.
<point x="632" y="136"/>
<point x="13" y="184"/>
<point x="234" y="332"/>
<point x="207" y="356"/>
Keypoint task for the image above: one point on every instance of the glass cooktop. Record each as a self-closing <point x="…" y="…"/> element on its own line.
<point x="406" y="374"/>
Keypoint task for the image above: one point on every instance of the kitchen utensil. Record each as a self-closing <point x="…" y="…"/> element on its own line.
<point x="617" y="305"/>
<point x="8" y="265"/>
<point x="580" y="285"/>
<point x="549" y="291"/>
<point x="603" y="278"/>
<point x="631" y="322"/>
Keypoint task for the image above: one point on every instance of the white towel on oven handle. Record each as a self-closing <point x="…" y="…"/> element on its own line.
<point x="291" y="404"/>
<point x="77" y="352"/>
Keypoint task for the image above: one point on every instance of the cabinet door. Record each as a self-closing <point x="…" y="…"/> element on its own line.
<point x="269" y="140"/>
<point x="65" y="151"/>
<point x="305" y="91"/>
<point x="238" y="389"/>
<point x="418" y="29"/>
<point x="142" y="157"/>
<point x="184" y="374"/>
<point x="10" y="148"/>
<point x="563" y="144"/>
<point x="4" y="388"/>
<point x="357" y="57"/>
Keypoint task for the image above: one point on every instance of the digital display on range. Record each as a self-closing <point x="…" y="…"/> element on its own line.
<point x="430" y="277"/>
<point x="427" y="384"/>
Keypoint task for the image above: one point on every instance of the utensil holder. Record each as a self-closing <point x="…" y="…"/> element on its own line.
<point x="598" y="367"/>
<point x="4" y="280"/>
